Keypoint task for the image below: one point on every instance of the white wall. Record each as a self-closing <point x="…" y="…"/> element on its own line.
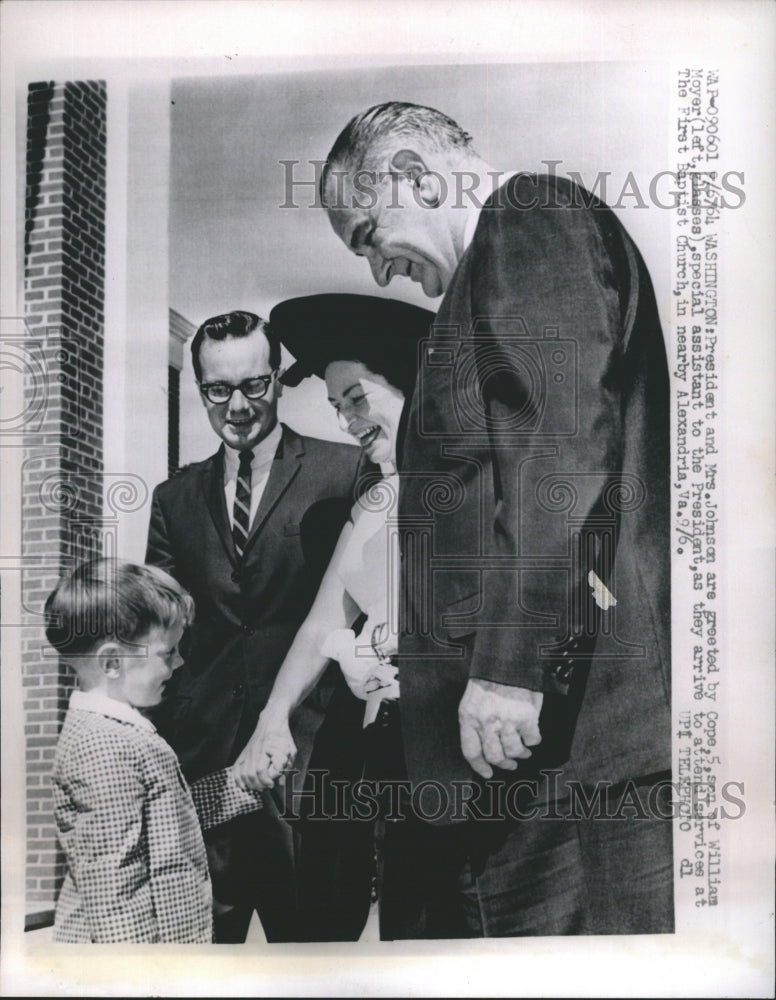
<point x="137" y="303"/>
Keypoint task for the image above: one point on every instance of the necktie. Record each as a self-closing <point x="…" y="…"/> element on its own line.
<point x="242" y="503"/>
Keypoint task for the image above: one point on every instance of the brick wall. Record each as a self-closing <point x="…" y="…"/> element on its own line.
<point x="62" y="481"/>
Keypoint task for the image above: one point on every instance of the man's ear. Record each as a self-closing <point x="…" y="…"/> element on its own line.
<point x="278" y="383"/>
<point x="109" y="656"/>
<point x="410" y="163"/>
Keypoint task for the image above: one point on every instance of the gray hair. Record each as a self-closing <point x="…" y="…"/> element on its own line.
<point x="366" y="137"/>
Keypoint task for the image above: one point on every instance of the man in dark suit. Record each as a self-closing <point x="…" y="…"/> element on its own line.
<point x="534" y="525"/>
<point x="228" y="529"/>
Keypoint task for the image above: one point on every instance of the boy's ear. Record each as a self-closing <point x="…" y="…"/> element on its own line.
<point x="109" y="656"/>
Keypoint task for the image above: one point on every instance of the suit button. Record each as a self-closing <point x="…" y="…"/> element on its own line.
<point x="237" y="690"/>
<point x="236" y="576"/>
<point x="248" y="630"/>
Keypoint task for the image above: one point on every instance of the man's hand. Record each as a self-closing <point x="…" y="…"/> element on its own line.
<point x="268" y="753"/>
<point x="498" y="724"/>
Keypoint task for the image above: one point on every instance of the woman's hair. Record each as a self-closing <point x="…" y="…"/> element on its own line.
<point x="397" y="367"/>
<point x="105" y="599"/>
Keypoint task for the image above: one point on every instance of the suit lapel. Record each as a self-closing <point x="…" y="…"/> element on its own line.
<point x="401" y="432"/>
<point x="213" y="488"/>
<point x="286" y="464"/>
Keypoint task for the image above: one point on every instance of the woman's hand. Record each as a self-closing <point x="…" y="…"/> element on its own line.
<point x="269" y="752"/>
<point x="366" y="671"/>
<point x="360" y="667"/>
<point x="383" y="639"/>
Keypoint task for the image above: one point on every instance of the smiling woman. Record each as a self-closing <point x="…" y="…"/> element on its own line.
<point x="366" y="348"/>
<point x="368" y="407"/>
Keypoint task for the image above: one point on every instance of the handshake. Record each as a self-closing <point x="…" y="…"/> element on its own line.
<point x="370" y="675"/>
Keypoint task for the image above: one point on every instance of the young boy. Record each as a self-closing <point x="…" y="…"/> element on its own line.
<point x="126" y="819"/>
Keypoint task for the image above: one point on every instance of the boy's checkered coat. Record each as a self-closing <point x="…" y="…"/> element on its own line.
<point x="136" y="863"/>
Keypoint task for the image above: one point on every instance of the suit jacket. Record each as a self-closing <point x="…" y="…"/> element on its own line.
<point x="536" y="451"/>
<point x="247" y="611"/>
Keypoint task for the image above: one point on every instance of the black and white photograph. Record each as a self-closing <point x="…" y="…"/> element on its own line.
<point x="387" y="499"/>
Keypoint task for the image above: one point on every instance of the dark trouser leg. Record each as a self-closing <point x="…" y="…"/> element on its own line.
<point x="418" y="863"/>
<point x="419" y="873"/>
<point x="498" y="876"/>
<point x="629" y="859"/>
<point x="231" y="925"/>
<point x="335" y="879"/>
<point x="252" y="867"/>
<point x="532" y="884"/>
<point x="336" y="850"/>
<point x="524" y="874"/>
<point x="275" y="882"/>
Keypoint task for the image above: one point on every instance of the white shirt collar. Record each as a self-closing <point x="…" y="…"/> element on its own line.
<point x="474" y="215"/>
<point x="263" y="453"/>
<point x="98" y="701"/>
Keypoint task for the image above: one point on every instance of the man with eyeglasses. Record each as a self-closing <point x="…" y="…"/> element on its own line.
<point x="228" y="529"/>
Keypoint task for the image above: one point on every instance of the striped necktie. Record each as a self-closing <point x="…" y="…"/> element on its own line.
<point x="242" y="503"/>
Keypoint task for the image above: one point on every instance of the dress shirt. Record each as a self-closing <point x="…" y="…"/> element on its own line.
<point x="261" y="464"/>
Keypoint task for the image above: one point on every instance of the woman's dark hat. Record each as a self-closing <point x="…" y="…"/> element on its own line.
<point x="381" y="333"/>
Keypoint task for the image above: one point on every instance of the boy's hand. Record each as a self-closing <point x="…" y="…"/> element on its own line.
<point x="269" y="752"/>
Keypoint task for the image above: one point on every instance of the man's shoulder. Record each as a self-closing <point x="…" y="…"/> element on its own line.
<point x="185" y="477"/>
<point x="527" y="199"/>
<point x="523" y="191"/>
<point x="541" y="216"/>
<point x="323" y="446"/>
<point x="335" y="454"/>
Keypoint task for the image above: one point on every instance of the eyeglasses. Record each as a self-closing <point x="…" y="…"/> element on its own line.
<point x="251" y="388"/>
